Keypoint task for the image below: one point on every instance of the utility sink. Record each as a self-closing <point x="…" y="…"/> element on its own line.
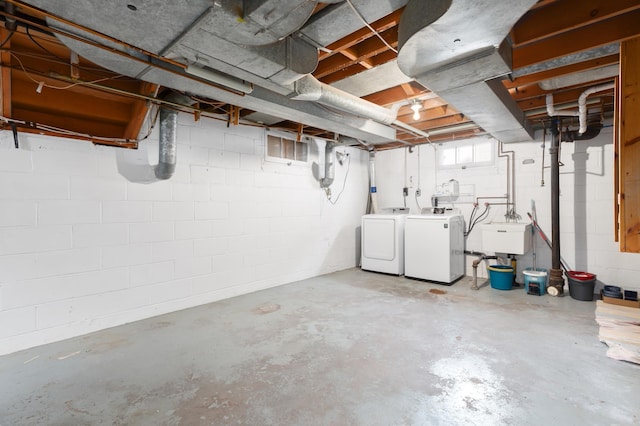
<point x="506" y="237"/>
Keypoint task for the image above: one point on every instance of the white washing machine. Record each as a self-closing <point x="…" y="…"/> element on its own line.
<point x="383" y="241"/>
<point x="434" y="245"/>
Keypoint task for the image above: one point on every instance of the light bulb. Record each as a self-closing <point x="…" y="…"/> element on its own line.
<point x="416" y="111"/>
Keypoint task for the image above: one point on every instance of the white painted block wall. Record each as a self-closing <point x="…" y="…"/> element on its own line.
<point x="85" y="246"/>
<point x="586" y="202"/>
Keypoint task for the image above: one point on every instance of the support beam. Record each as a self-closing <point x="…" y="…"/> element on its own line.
<point x="629" y="148"/>
<point x="5" y="74"/>
<point x="612" y="30"/>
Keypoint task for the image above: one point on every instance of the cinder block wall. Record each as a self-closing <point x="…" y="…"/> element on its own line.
<point x="586" y="200"/>
<point x="86" y="244"/>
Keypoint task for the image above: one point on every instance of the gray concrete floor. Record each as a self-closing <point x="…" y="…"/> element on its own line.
<point x="349" y="348"/>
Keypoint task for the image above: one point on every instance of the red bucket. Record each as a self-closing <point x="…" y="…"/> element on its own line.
<point x="581" y="285"/>
<point x="581" y="276"/>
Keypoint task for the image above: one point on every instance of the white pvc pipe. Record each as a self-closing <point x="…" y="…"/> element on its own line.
<point x="582" y="103"/>
<point x="553" y="113"/>
<point x="373" y="190"/>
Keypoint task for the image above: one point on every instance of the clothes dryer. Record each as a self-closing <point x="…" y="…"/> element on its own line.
<point x="383" y="241"/>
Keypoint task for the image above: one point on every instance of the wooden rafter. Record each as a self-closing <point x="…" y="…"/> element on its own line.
<point x="561" y="16"/>
<point x="601" y="33"/>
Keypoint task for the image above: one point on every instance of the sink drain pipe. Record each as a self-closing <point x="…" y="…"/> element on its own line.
<point x="482" y="256"/>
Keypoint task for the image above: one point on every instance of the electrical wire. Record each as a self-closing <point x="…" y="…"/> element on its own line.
<point x="377" y="34"/>
<point x="344" y="184"/>
<point x="7" y="39"/>
<point x="42" y="84"/>
<point x="55" y="60"/>
<point x="41" y="46"/>
<point x="61" y="131"/>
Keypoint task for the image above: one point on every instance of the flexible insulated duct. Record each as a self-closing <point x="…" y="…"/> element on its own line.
<point x="168" y="143"/>
<point x="308" y="88"/>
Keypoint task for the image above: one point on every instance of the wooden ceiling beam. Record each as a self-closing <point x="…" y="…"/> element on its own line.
<point x="362" y="34"/>
<point x="568" y="96"/>
<point x="139" y="111"/>
<point x="5" y="74"/>
<point x="622" y="27"/>
<point x="559" y="17"/>
<point x="362" y="54"/>
<point x="406" y="113"/>
<point x="70" y="103"/>
<point x="535" y="91"/>
<point x="560" y="71"/>
<point x="78" y="124"/>
<point x="352" y="56"/>
<point x="396" y="94"/>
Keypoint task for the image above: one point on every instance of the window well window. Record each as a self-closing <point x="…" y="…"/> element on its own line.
<point x="468" y="153"/>
<point x="285" y="147"/>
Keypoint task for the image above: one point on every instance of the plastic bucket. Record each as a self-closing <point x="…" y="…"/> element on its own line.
<point x="581" y="285"/>
<point x="501" y="277"/>
<point x="535" y="281"/>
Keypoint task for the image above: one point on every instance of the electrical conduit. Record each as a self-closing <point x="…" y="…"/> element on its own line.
<point x="372" y="182"/>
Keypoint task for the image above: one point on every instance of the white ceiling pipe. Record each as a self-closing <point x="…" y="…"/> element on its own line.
<point x="308" y="88"/>
<point x="582" y="103"/>
<point x="553" y="113"/>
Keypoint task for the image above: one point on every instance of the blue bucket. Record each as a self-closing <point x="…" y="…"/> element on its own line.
<point x="535" y="276"/>
<point x="501" y="277"/>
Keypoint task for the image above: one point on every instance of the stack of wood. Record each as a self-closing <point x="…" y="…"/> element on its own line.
<point x="620" y="330"/>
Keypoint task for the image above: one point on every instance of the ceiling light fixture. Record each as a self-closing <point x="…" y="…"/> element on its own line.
<point x="415" y="106"/>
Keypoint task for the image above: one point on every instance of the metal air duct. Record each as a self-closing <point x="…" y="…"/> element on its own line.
<point x="309" y="88"/>
<point x="168" y="142"/>
<point x="167" y="153"/>
<point x="457" y="49"/>
<point x="246" y="42"/>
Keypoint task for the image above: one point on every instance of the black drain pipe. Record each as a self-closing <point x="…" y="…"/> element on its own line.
<point x="556" y="279"/>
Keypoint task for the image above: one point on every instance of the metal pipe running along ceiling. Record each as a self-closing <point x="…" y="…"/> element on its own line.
<point x="273" y="69"/>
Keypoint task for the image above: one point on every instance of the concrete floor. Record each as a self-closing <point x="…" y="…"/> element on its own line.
<point x="349" y="348"/>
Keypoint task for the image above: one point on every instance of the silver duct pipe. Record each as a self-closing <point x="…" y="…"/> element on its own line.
<point x="168" y="143"/>
<point x="324" y="170"/>
<point x="308" y="88"/>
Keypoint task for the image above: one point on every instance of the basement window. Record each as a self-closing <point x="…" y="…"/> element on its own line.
<point x="469" y="153"/>
<point x="282" y="147"/>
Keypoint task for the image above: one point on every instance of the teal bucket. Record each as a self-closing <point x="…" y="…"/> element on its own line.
<point x="535" y="281"/>
<point x="501" y="277"/>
